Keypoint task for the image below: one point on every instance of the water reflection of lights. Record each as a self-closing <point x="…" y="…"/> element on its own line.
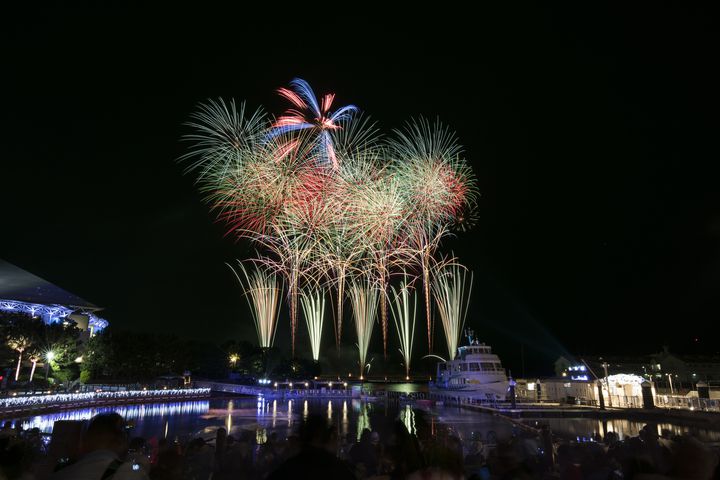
<point x="407" y="415"/>
<point x="274" y="413"/>
<point x="261" y="436"/>
<point x="344" y="423"/>
<point x="306" y="411"/>
<point x="129" y="412"/>
<point x="626" y="428"/>
<point x="363" y="421"/>
<point x="289" y="412"/>
<point x="329" y="410"/>
<point x="586" y="428"/>
<point x="187" y="419"/>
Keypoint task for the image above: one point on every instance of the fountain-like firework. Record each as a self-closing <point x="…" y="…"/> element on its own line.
<point x="364" y="301"/>
<point x="313" y="303"/>
<point x="263" y="291"/>
<point x="452" y="294"/>
<point x="403" y="313"/>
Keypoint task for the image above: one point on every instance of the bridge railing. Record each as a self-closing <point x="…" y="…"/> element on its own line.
<point x="688" y="403"/>
<point x="20" y="404"/>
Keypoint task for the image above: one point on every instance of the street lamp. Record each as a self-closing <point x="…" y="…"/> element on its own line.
<point x="607" y="383"/>
<point x="49" y="356"/>
<point x="669" y="375"/>
<point x="233" y="359"/>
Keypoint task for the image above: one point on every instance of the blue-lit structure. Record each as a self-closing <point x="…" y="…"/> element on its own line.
<point x="23" y="292"/>
<point x="578" y="372"/>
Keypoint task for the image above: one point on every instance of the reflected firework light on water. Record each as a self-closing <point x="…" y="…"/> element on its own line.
<point x="202" y="418"/>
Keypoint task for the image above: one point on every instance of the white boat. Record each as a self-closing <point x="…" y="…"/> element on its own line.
<point x="475" y="371"/>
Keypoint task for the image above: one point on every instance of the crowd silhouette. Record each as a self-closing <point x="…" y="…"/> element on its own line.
<point x="106" y="450"/>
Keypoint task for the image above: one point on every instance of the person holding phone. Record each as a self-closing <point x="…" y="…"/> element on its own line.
<point x="104" y="446"/>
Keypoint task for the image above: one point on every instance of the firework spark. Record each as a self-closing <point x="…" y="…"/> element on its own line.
<point x="452" y="294"/>
<point x="364" y="301"/>
<point x="439" y="185"/>
<point x="307" y="113"/>
<point x="263" y="291"/>
<point x="313" y="303"/>
<point x="404" y="316"/>
<point x="290" y="255"/>
<point x="223" y="137"/>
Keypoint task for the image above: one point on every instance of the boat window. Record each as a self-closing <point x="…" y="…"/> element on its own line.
<point x="487" y="366"/>
<point x="474" y="367"/>
<point x="463" y="367"/>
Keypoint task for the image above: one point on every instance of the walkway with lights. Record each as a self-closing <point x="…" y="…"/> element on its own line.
<point x="35" y="404"/>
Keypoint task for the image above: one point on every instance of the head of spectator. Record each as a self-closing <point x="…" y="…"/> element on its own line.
<point x="691" y="459"/>
<point x="366" y="436"/>
<point x="648" y="434"/>
<point x="106" y="431"/>
<point x="316" y="432"/>
<point x="137" y="444"/>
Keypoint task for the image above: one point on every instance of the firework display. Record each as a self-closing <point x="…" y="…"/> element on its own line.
<point x="330" y="203"/>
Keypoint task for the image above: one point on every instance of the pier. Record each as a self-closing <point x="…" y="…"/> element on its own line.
<point x="289" y="390"/>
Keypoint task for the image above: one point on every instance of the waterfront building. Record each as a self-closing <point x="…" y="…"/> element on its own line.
<point x="23" y="293"/>
<point x="671" y="372"/>
<point x="619" y="390"/>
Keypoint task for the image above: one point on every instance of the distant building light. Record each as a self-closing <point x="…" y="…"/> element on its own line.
<point x="531" y="386"/>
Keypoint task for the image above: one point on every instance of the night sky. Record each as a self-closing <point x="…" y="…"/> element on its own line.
<point x="593" y="134"/>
